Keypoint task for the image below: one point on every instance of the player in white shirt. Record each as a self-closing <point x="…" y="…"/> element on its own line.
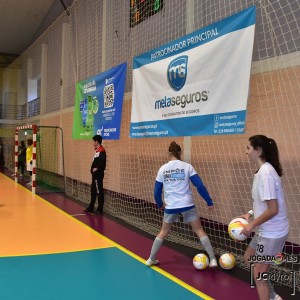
<point x="269" y="210"/>
<point x="175" y="177"/>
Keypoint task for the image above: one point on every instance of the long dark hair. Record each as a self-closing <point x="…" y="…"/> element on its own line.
<point x="175" y="150"/>
<point x="269" y="151"/>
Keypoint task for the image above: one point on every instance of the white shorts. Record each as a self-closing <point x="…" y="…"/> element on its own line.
<point x="267" y="246"/>
<point x="29" y="167"/>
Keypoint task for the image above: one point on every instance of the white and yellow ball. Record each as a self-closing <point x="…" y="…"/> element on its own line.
<point x="227" y="261"/>
<point x="235" y="228"/>
<point x="200" y="261"/>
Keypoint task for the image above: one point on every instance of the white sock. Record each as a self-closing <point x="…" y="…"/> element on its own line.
<point x="155" y="247"/>
<point x="272" y="292"/>
<point x="207" y="246"/>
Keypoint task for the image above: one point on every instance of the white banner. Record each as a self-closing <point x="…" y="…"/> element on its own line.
<point x="196" y="85"/>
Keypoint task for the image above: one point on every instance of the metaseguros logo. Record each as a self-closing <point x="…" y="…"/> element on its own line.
<point x="177" y="72"/>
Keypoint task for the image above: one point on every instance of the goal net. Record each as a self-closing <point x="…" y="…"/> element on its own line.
<point x="7" y="147"/>
<point x="273" y="110"/>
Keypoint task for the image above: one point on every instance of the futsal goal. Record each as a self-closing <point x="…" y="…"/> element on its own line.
<point x="48" y="170"/>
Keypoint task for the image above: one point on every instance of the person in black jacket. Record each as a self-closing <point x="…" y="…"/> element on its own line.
<point x="97" y="171"/>
<point x="22" y="157"/>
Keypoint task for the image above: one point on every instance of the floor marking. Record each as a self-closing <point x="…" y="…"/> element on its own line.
<point x="159" y="270"/>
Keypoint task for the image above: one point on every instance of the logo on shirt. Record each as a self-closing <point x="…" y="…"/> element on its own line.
<point x="172" y="175"/>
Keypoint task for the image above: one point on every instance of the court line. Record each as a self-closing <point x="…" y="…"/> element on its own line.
<point x="29" y="232"/>
<point x="157" y="269"/>
<point x="140" y="259"/>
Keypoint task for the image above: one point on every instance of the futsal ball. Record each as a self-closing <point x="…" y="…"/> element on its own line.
<point x="235" y="228"/>
<point x="200" y="261"/>
<point x="227" y="261"/>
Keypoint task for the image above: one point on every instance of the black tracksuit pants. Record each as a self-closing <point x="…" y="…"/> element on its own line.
<point x="97" y="190"/>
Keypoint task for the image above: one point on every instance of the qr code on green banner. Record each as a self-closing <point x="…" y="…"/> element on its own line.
<point x="109" y="95"/>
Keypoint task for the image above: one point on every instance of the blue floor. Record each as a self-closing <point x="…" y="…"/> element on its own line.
<point x="95" y="274"/>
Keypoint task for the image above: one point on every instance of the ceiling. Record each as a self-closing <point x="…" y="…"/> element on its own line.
<point x="21" y="23"/>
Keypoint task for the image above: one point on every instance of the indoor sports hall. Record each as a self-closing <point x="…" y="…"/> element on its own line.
<point x="206" y="74"/>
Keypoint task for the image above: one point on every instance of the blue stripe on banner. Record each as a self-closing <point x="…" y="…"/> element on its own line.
<point x="233" y="23"/>
<point x="214" y="124"/>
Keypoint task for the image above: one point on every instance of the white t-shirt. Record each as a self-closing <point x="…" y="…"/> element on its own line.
<point x="267" y="186"/>
<point x="175" y="176"/>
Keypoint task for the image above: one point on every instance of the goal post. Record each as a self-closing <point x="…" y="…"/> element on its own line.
<point x="48" y="169"/>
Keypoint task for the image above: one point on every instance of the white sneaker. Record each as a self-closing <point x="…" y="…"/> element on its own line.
<point x="151" y="262"/>
<point x="213" y="263"/>
<point x="29" y="183"/>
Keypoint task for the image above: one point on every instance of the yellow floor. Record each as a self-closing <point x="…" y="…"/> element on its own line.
<point x="25" y="232"/>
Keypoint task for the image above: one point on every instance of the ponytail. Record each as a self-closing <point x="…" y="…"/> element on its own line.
<point x="175" y="150"/>
<point x="269" y="149"/>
